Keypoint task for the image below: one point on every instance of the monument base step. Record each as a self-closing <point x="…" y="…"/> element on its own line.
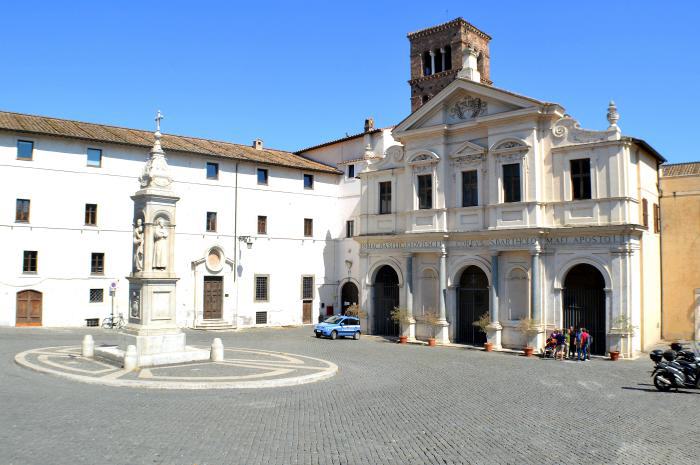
<point x="213" y="325"/>
<point x="190" y="354"/>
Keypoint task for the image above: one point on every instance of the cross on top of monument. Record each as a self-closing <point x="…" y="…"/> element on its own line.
<point x="159" y="116"/>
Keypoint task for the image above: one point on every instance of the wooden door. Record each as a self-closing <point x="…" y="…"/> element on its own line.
<point x="213" y="297"/>
<point x="28" y="308"/>
<point x="306" y="311"/>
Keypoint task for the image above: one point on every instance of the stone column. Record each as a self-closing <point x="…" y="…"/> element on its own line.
<point x="493" y="331"/>
<point x="442" y="55"/>
<point x="441" y="332"/>
<point x="536" y="339"/>
<point x="410" y="326"/>
<point x="432" y="62"/>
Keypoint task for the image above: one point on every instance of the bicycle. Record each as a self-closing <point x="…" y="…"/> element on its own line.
<point x="118" y="322"/>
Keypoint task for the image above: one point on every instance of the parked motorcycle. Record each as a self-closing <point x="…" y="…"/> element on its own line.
<point x="676" y="368"/>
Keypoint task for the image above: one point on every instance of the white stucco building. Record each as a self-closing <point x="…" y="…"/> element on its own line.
<point x="480" y="201"/>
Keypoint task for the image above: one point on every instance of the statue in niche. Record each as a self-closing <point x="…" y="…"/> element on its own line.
<point x="160" y="245"/>
<point x="135" y="306"/>
<point x="138" y="245"/>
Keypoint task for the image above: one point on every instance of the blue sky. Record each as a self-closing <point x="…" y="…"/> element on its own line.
<point x="296" y="74"/>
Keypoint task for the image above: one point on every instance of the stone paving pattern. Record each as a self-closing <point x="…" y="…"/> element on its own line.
<point x="388" y="404"/>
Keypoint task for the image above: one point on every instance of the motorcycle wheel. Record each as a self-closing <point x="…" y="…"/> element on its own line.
<point x="660" y="385"/>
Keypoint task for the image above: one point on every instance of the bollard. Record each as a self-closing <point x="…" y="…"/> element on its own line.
<point x="130" y="358"/>
<point x="217" y="350"/>
<point x="88" y="346"/>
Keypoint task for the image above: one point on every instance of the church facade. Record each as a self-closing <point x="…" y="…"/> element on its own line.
<point x="480" y="202"/>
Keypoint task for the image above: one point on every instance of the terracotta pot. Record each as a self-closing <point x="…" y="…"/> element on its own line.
<point x="528" y="351"/>
<point x="614" y="355"/>
<point x="488" y="346"/>
<point x="431" y="342"/>
<point x="403" y="339"/>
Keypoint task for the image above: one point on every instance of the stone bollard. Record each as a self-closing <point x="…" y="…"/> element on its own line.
<point x="217" y="350"/>
<point x="130" y="358"/>
<point x="88" y="346"/>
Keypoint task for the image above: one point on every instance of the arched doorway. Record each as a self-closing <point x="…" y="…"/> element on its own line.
<point x="584" y="303"/>
<point x="348" y="296"/>
<point x="386" y="297"/>
<point x="29" y="308"/>
<point x="472" y="302"/>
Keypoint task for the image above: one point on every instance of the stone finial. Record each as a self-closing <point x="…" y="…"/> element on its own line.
<point x="613" y="116"/>
<point x="156" y="173"/>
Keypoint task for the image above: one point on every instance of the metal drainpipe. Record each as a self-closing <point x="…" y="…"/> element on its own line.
<point x="661" y="252"/>
<point x="235" y="244"/>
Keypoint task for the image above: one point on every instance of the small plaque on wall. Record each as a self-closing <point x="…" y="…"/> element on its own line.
<point x="161" y="305"/>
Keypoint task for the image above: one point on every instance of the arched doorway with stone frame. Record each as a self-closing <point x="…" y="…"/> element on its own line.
<point x="212" y="283"/>
<point x="584" y="303"/>
<point x="349" y="295"/>
<point x="472" y="302"/>
<point x="385" y="299"/>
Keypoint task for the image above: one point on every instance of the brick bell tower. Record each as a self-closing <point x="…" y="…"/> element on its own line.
<point x="440" y="52"/>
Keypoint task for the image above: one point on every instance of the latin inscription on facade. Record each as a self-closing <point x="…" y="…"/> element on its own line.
<point x="504" y="243"/>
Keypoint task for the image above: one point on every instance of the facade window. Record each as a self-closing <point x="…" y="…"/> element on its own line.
<point x="308" y="227"/>
<point x="22" y="211"/>
<point x="657" y="218"/>
<point x="645" y="213"/>
<point x="29" y="263"/>
<point x="308" y="181"/>
<point x="470" y="190"/>
<point x="511" y="182"/>
<point x="25" y="150"/>
<point x="581" y="178"/>
<point x="351" y="171"/>
<point x="212" y="170"/>
<point x="97" y="296"/>
<point x="262" y="176"/>
<point x="211" y="221"/>
<point x="427" y="64"/>
<point x="94" y="157"/>
<point x="91" y="214"/>
<point x="97" y="263"/>
<point x="307" y="287"/>
<point x="349" y="228"/>
<point x="262" y="224"/>
<point x="384" y="197"/>
<point x="262" y="288"/>
<point x="425" y="191"/>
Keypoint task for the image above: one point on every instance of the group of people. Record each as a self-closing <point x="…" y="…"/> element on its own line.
<point x="571" y="344"/>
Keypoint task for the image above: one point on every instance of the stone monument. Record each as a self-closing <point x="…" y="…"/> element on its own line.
<point x="152" y="326"/>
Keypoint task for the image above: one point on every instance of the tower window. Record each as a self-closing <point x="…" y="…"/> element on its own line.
<point x="448" y="57"/>
<point x="439" y="63"/>
<point x="427" y="67"/>
<point x="424" y="99"/>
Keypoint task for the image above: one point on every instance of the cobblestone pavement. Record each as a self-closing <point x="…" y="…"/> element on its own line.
<point x="388" y="404"/>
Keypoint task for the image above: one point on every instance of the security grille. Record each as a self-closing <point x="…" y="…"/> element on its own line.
<point x="307" y="287"/>
<point x="261" y="289"/>
<point x="96" y="295"/>
<point x="260" y="318"/>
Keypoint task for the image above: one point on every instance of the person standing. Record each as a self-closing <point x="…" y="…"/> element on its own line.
<point x="572" y="343"/>
<point x="583" y="344"/>
<point x="561" y="344"/>
<point x="567" y="342"/>
<point x="589" y="343"/>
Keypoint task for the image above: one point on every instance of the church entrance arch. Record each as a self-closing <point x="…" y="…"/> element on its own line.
<point x="386" y="297"/>
<point x="584" y="303"/>
<point x="472" y="302"/>
<point x="348" y="296"/>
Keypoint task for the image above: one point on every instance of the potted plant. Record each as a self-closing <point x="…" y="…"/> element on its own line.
<point x="356" y="311"/>
<point x="621" y="329"/>
<point x="402" y="317"/>
<point x="527" y="326"/>
<point x="432" y="319"/>
<point x="482" y="323"/>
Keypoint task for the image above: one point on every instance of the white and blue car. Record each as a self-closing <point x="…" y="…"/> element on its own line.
<point x="339" y="325"/>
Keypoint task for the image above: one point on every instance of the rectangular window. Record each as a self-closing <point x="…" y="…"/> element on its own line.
<point x="308" y="181"/>
<point x="581" y="179"/>
<point x="470" y="191"/>
<point x="212" y="170"/>
<point x="349" y="228"/>
<point x="511" y="182"/>
<point x="351" y="171"/>
<point x="262" y="176"/>
<point x="307" y="287"/>
<point x="657" y="219"/>
<point x="25" y="150"/>
<point x="260" y="318"/>
<point x="94" y="157"/>
<point x="29" y="264"/>
<point x="22" y="211"/>
<point x="384" y="197"/>
<point x="97" y="295"/>
<point x="425" y="191"/>
<point x="97" y="263"/>
<point x="91" y="214"/>
<point x="262" y="224"/>
<point x="308" y="227"/>
<point x="262" y="288"/>
<point x="211" y="221"/>
<point x="645" y="213"/>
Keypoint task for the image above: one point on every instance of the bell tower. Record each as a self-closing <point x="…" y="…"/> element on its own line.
<point x="441" y="53"/>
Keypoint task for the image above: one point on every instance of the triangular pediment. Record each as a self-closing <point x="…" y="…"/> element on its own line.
<point x="463" y="101"/>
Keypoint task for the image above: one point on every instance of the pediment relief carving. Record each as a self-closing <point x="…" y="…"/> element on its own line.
<point x="422" y="158"/>
<point x="568" y="131"/>
<point x="394" y="153"/>
<point x="511" y="149"/>
<point x="467" y="108"/>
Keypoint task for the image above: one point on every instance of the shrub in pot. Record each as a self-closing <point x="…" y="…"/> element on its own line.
<point x="402" y="317"/>
<point x="527" y="326"/>
<point x="622" y="330"/>
<point x="432" y="319"/>
<point x="482" y="323"/>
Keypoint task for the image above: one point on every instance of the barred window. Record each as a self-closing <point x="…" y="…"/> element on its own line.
<point x="91" y="214"/>
<point x="262" y="291"/>
<point x="260" y="318"/>
<point x="97" y="263"/>
<point x="22" y="211"/>
<point x="307" y="287"/>
<point x="29" y="263"/>
<point x="97" y="295"/>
